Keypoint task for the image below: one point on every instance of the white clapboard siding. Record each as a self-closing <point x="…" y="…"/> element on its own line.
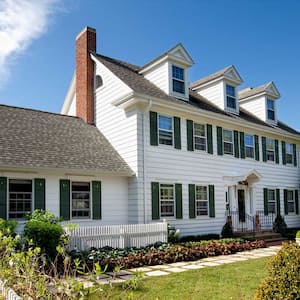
<point x="160" y="76"/>
<point x="117" y="236"/>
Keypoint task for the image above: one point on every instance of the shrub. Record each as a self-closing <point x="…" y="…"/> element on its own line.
<point x="173" y="234"/>
<point x="227" y="231"/>
<point x="283" y="281"/>
<point x="42" y="215"/>
<point x="298" y="234"/>
<point x="8" y="227"/>
<point x="279" y="225"/>
<point x="197" y="238"/>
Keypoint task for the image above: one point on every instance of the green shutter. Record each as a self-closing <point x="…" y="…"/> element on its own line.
<point x="220" y="140"/>
<point x="242" y="144"/>
<point x="190" y="135"/>
<point x="64" y="199"/>
<point x="266" y="209"/>
<point x="256" y="141"/>
<point x="96" y="194"/>
<point x="211" y="190"/>
<point x="155" y="200"/>
<point x="297" y="202"/>
<point x="276" y="152"/>
<point x="178" y="196"/>
<point x="39" y="193"/>
<point x="264" y="148"/>
<point x="209" y="139"/>
<point x="283" y="152"/>
<point x="295" y="154"/>
<point x="153" y="129"/>
<point x="177" y="133"/>
<point x="236" y="144"/>
<point x="192" y="201"/>
<point x="286" y="207"/>
<point x="278" y="201"/>
<point x="3" y="198"/>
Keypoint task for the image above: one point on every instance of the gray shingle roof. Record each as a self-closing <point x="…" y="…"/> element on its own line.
<point x="36" y="139"/>
<point x="245" y="93"/>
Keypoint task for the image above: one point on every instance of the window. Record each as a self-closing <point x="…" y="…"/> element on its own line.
<point x="99" y="81"/>
<point x="228" y="141"/>
<point x="290" y="201"/>
<point x="230" y="96"/>
<point x="201" y="200"/>
<point x="178" y="80"/>
<point x="20" y="198"/>
<point x="165" y="130"/>
<point x="167" y="200"/>
<point x="271" y="202"/>
<point x="80" y="199"/>
<point x="199" y="137"/>
<point x="289" y="150"/>
<point x="270" y="109"/>
<point x="270" y="144"/>
<point x="249" y="145"/>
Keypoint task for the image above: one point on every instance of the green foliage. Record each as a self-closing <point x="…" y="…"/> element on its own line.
<point x="173" y="234"/>
<point x="8" y="227"/>
<point x="197" y="238"/>
<point x="298" y="234"/>
<point x="227" y="231"/>
<point x="43" y="216"/>
<point x="283" y="281"/>
<point x="279" y="225"/>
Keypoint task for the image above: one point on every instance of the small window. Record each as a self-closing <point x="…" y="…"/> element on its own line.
<point x="201" y="200"/>
<point x="270" y="144"/>
<point x="165" y="130"/>
<point x="80" y="200"/>
<point x="230" y="97"/>
<point x="271" y="109"/>
<point x="178" y="80"/>
<point x="20" y="198"/>
<point x="271" y="202"/>
<point x="289" y="153"/>
<point x="290" y="201"/>
<point x="167" y="200"/>
<point x="199" y="137"/>
<point x="99" y="81"/>
<point x="249" y="145"/>
<point x="228" y="141"/>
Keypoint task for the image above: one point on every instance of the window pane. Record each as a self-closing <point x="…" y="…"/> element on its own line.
<point x="271" y="207"/>
<point x="80" y="199"/>
<point x="177" y="72"/>
<point x="199" y="129"/>
<point x="230" y="90"/>
<point x="200" y="143"/>
<point x="201" y="192"/>
<point x="201" y="208"/>
<point x="270" y="156"/>
<point x="166" y="200"/>
<point x="249" y="141"/>
<point x="165" y="122"/>
<point x="231" y="102"/>
<point x="270" y="144"/>
<point x="289" y="148"/>
<point x="270" y="104"/>
<point x="271" y="115"/>
<point x="228" y="148"/>
<point x="249" y="152"/>
<point x="227" y="135"/>
<point x="178" y="86"/>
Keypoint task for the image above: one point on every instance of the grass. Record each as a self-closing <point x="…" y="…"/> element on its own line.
<point x="234" y="281"/>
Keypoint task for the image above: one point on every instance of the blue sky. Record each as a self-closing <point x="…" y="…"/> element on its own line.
<point x="260" y="38"/>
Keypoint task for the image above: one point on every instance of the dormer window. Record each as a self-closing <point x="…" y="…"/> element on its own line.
<point x="178" y="80"/>
<point x="230" y="97"/>
<point x="270" y="110"/>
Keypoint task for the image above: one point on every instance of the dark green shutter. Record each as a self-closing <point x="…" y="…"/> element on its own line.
<point x="96" y="194"/>
<point x="286" y="207"/>
<point x="297" y="202"/>
<point x="153" y="129"/>
<point x="242" y="144"/>
<point x="276" y="152"/>
<point x="266" y="208"/>
<point x="295" y="154"/>
<point x="177" y="133"/>
<point x="209" y="139"/>
<point x="178" y="196"/>
<point x="278" y="201"/>
<point x="264" y="148"/>
<point x="256" y="142"/>
<point x="155" y="200"/>
<point x="192" y="213"/>
<point x="236" y="144"/>
<point x="190" y="135"/>
<point x="3" y="198"/>
<point x="64" y="199"/>
<point x="283" y="152"/>
<point x="211" y="190"/>
<point x="39" y="193"/>
<point x="220" y="140"/>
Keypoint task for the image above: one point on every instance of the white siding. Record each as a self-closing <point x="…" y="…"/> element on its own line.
<point x="160" y="77"/>
<point x="256" y="106"/>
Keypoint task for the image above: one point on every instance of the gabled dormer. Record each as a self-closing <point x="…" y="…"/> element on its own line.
<point x="261" y="101"/>
<point x="220" y="88"/>
<point x="169" y="72"/>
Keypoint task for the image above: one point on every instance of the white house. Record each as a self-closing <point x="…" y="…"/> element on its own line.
<point x="193" y="154"/>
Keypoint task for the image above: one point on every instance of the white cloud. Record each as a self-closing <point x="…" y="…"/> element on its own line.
<point x="21" y="21"/>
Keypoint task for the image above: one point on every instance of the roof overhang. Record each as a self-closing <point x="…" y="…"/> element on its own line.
<point x="247" y="179"/>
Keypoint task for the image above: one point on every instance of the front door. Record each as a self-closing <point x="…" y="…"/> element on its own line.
<point x="241" y="205"/>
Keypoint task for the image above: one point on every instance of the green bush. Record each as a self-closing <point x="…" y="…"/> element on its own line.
<point x="298" y="234"/>
<point x="279" y="225"/>
<point x="227" y="231"/>
<point x="8" y="227"/>
<point x="173" y="234"/>
<point x="197" y="238"/>
<point x="283" y="281"/>
<point x="42" y="215"/>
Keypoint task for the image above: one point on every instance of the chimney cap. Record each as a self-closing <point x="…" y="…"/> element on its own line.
<point x="87" y="28"/>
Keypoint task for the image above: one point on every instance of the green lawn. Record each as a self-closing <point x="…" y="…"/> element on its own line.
<point x="232" y="281"/>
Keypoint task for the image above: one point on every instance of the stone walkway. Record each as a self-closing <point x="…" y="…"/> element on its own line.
<point x="161" y="270"/>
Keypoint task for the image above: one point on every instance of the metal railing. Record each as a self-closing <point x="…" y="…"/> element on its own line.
<point x="265" y="221"/>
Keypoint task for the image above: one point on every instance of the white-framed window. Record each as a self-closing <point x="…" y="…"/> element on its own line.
<point x="98" y="81"/>
<point x="271" y="201"/>
<point x="165" y="130"/>
<point x="81" y="200"/>
<point x="167" y="200"/>
<point x="270" y="145"/>
<point x="228" y="141"/>
<point x="289" y="153"/>
<point x="199" y="136"/>
<point x="230" y="97"/>
<point x="201" y="198"/>
<point x="290" y="201"/>
<point x="249" y="145"/>
<point x="178" y="80"/>
<point x="20" y="198"/>
<point x="270" y="109"/>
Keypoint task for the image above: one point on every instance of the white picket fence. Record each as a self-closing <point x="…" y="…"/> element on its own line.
<point x="117" y="236"/>
<point x="7" y="293"/>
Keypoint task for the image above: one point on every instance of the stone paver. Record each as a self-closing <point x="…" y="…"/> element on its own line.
<point x="160" y="267"/>
<point x="156" y="273"/>
<point x="175" y="270"/>
<point x="141" y="269"/>
<point x="210" y="264"/>
<point x="192" y="267"/>
<point x="178" y="264"/>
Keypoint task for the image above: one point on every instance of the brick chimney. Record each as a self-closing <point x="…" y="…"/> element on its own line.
<point x="85" y="42"/>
